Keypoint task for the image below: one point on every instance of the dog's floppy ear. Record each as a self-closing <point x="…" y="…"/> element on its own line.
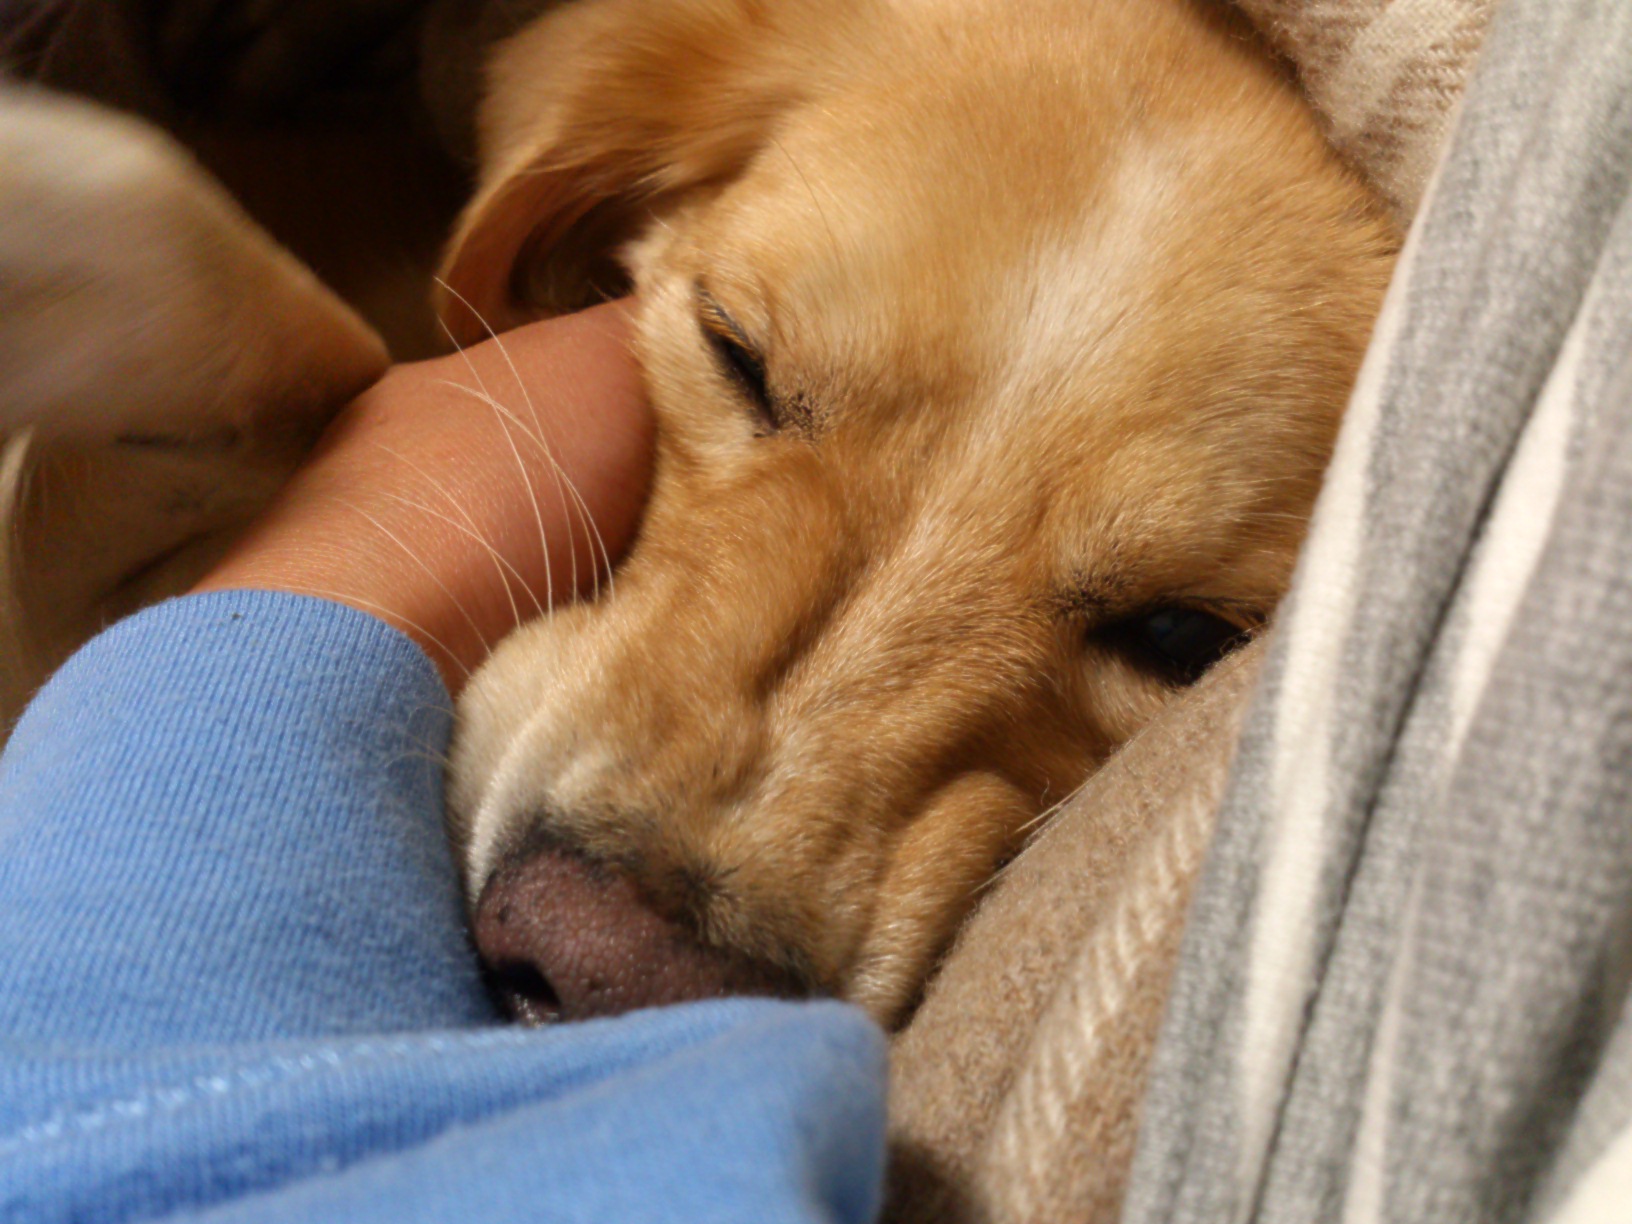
<point x="597" y="116"/>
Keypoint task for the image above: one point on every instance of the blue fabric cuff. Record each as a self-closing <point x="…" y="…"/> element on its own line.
<point x="235" y="984"/>
<point x="242" y="789"/>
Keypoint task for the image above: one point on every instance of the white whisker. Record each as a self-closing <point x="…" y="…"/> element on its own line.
<point x="431" y="573"/>
<point x="506" y="418"/>
<point x="1028" y="831"/>
<point x="521" y="466"/>
<point x="500" y="561"/>
<point x="357" y="601"/>
<point x="592" y="532"/>
<point x="492" y="402"/>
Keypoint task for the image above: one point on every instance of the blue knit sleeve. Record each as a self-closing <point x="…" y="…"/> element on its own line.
<point x="234" y="978"/>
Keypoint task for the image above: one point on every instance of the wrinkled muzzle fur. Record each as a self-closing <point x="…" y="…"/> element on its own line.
<point x="988" y="342"/>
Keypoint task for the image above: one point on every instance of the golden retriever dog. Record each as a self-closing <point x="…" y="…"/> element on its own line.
<point x="165" y="360"/>
<point x="997" y="349"/>
<point x="164" y="365"/>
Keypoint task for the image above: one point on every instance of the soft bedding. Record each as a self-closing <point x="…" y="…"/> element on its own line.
<point x="1402" y="991"/>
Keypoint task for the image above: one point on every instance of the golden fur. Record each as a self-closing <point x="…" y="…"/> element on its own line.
<point x="164" y="366"/>
<point x="1057" y="305"/>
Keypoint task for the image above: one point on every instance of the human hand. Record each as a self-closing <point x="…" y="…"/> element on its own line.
<point x="432" y="503"/>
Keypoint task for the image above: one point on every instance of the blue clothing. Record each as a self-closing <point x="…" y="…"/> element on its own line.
<point x="235" y="984"/>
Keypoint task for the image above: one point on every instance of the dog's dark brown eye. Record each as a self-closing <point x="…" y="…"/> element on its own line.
<point x="1180" y="644"/>
<point x="740" y="362"/>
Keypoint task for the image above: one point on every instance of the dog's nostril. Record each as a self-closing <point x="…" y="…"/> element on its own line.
<point x="565" y="939"/>
<point x="525" y="993"/>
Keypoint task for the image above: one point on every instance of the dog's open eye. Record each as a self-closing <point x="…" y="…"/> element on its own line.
<point x="1180" y="643"/>
<point x="739" y="361"/>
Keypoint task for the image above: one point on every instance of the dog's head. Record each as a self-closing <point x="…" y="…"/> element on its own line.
<point x="997" y="352"/>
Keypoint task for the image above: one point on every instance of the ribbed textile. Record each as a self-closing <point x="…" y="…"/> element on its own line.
<point x="234" y="979"/>
<point x="1405" y="992"/>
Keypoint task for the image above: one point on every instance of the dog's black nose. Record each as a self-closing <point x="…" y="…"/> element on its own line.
<point x="564" y="938"/>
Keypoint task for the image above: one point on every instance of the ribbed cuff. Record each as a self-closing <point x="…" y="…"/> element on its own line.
<point x="222" y="820"/>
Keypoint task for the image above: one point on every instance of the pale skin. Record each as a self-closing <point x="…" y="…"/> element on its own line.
<point x="427" y="500"/>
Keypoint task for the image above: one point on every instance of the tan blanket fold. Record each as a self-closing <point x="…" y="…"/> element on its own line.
<point x="1385" y="76"/>
<point x="1014" y="1089"/>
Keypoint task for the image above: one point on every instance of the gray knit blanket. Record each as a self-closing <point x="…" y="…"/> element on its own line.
<point x="1403" y="990"/>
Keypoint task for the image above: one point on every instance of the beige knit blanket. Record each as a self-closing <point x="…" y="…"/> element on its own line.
<point x="1385" y="75"/>
<point x="1015" y="1089"/>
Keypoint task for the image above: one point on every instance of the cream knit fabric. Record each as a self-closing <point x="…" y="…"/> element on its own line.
<point x="1385" y="75"/>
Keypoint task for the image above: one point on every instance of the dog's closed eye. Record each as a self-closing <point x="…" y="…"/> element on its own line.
<point x="740" y="360"/>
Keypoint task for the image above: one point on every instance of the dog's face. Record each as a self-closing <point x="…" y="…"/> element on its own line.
<point x="997" y="354"/>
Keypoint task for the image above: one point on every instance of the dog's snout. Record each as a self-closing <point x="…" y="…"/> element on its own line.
<point x="565" y="938"/>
